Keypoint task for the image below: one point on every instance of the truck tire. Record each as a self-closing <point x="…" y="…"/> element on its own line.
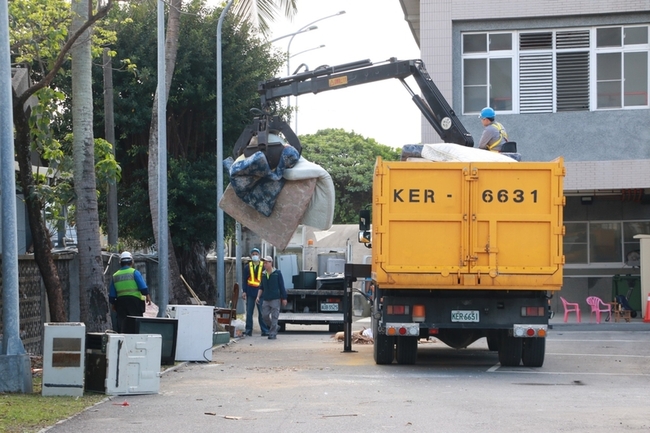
<point x="493" y="343"/>
<point x="407" y="350"/>
<point x="384" y="351"/>
<point x="533" y="351"/>
<point x="510" y="349"/>
<point x="383" y="345"/>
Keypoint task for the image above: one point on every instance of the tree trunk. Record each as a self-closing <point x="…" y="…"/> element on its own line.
<point x="96" y="314"/>
<point x="41" y="239"/>
<point x="178" y="293"/>
<point x="194" y="268"/>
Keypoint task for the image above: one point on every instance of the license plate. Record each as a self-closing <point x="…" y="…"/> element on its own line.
<point x="464" y="316"/>
<point x="329" y="307"/>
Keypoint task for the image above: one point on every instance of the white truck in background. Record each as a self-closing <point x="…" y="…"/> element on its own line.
<point x="313" y="266"/>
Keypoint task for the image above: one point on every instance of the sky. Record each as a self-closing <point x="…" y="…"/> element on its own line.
<point x="369" y="29"/>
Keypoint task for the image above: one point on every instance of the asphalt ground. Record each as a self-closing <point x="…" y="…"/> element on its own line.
<point x="595" y="379"/>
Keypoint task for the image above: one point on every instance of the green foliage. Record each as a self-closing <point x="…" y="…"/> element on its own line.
<point x="350" y="159"/>
<point x="38" y="30"/>
<point x="192" y="190"/>
<point x="266" y="10"/>
<point x="191" y="114"/>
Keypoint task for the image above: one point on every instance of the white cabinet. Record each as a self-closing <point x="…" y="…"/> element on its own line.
<point x="195" y="328"/>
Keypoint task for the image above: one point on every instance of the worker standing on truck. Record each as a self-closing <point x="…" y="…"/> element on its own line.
<point x="272" y="293"/>
<point x="494" y="134"/>
<point x="252" y="280"/>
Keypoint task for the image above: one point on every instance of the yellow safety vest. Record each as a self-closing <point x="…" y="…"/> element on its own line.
<point x="125" y="285"/>
<point x="254" y="280"/>
<point x="502" y="136"/>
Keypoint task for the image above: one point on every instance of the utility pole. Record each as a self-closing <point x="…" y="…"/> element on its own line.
<point x="109" y="133"/>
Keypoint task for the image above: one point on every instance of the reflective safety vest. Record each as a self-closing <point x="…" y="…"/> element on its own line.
<point x="254" y="280"/>
<point x="502" y="136"/>
<point x="125" y="285"/>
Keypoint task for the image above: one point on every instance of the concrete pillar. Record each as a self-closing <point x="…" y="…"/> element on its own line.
<point x="645" y="271"/>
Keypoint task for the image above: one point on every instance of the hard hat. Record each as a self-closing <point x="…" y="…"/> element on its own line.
<point x="487" y="112"/>
<point x="126" y="257"/>
<point x="255" y="250"/>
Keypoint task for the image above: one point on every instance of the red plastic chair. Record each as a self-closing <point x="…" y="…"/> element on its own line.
<point x="570" y="307"/>
<point x="598" y="306"/>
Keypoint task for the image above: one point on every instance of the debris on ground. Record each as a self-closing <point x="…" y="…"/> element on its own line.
<point x="358" y="337"/>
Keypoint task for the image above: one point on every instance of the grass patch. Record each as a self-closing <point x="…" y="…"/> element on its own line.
<point x="23" y="413"/>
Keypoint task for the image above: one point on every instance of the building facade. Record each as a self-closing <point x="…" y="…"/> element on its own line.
<point x="567" y="79"/>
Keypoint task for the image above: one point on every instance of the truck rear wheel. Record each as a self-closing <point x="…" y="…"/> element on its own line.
<point x="383" y="345"/>
<point x="384" y="349"/>
<point x="533" y="351"/>
<point x="510" y="349"/>
<point x="492" y="342"/>
<point x="407" y="350"/>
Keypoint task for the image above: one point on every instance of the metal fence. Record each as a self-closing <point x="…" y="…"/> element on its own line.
<point x="33" y="299"/>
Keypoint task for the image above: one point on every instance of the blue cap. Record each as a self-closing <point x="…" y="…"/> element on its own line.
<point x="487" y="112"/>
<point x="255" y="250"/>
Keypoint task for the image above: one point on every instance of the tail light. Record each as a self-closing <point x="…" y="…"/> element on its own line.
<point x="529" y="331"/>
<point x="397" y="309"/>
<point x="418" y="313"/>
<point x="533" y="311"/>
<point x="402" y="329"/>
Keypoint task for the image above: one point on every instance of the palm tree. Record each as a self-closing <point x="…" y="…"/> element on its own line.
<point x="244" y="10"/>
<point x="263" y="11"/>
<point x="94" y="312"/>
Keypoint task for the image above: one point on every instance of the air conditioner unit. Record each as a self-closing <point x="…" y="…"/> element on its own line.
<point x="120" y="364"/>
<point x="63" y="359"/>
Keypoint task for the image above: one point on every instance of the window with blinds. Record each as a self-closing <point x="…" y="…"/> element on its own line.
<point x="557" y="70"/>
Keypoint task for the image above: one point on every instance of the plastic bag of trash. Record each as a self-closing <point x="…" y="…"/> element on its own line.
<point x="367" y="333"/>
<point x="151" y="310"/>
<point x="240" y="327"/>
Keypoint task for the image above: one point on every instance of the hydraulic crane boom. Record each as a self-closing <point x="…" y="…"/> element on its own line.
<point x="432" y="104"/>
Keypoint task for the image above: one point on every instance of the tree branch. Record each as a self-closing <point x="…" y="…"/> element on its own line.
<point x="101" y="13"/>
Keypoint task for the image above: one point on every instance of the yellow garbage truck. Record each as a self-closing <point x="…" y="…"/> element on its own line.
<point x="465" y="250"/>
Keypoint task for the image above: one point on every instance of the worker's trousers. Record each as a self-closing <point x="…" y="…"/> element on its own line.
<point x="270" y="314"/>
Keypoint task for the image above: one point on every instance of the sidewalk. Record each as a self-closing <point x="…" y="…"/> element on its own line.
<point x="557" y="323"/>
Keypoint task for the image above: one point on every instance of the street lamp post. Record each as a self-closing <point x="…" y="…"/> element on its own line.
<point x="291" y="40"/>
<point x="296" y="71"/>
<point x="300" y="31"/>
<point x="304" y="51"/>
<point x="308" y="29"/>
<point x="220" y="280"/>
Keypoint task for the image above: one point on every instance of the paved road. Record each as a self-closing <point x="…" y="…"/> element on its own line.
<point x="596" y="378"/>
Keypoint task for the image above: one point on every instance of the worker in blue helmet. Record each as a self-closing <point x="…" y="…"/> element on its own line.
<point x="252" y="279"/>
<point x="494" y="134"/>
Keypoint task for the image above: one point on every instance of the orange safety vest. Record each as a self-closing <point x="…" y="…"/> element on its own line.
<point x="254" y="280"/>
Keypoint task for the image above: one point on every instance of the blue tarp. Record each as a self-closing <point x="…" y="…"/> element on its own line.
<point x="255" y="183"/>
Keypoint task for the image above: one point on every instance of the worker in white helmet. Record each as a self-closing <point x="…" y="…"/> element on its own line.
<point x="127" y="291"/>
